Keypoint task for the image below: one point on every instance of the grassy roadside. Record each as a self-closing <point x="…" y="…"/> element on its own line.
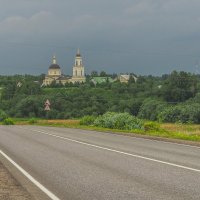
<point x="171" y="131"/>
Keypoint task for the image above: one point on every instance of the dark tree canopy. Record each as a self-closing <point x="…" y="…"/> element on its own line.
<point x="170" y="98"/>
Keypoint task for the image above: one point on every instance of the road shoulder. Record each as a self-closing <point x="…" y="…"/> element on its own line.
<point x="14" y="185"/>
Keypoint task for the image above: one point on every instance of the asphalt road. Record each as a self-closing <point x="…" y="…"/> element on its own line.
<point x="88" y="165"/>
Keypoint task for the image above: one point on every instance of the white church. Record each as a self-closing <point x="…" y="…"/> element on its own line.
<point x="55" y="73"/>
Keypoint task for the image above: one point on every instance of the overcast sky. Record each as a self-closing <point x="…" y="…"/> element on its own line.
<point x="117" y="36"/>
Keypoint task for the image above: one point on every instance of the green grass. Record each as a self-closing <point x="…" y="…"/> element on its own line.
<point x="161" y="133"/>
<point x="171" y="131"/>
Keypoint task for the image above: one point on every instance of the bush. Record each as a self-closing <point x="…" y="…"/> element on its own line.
<point x="170" y="114"/>
<point x="182" y="113"/>
<point x="3" y="115"/>
<point x="52" y="114"/>
<point x="87" y="120"/>
<point x="28" y="107"/>
<point x="8" y="121"/>
<point x="151" y="108"/>
<point x="151" y="126"/>
<point x="32" y="121"/>
<point x="122" y="121"/>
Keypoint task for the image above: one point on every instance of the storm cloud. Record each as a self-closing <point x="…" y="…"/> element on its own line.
<point x="140" y="36"/>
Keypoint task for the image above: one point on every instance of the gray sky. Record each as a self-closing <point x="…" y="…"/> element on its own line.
<point x="140" y="36"/>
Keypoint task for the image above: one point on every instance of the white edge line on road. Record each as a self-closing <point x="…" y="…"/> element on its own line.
<point x="149" y="139"/>
<point x="116" y="151"/>
<point x="168" y="142"/>
<point x="33" y="180"/>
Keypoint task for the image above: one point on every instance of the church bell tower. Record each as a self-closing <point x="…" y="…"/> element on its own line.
<point x="78" y="69"/>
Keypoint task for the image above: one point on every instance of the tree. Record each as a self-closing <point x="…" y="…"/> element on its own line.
<point x="103" y="74"/>
<point x="29" y="107"/>
<point x="94" y="73"/>
<point x="131" y="79"/>
<point x="179" y="86"/>
<point x="151" y="108"/>
<point x="9" y="91"/>
<point x="29" y="88"/>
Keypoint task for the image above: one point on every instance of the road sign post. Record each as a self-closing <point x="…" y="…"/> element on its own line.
<point x="47" y="105"/>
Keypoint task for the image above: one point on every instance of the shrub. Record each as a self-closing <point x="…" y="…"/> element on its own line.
<point x="170" y="114"/>
<point x="87" y="120"/>
<point x="8" y="121"/>
<point x="183" y="113"/>
<point x="52" y="114"/>
<point x="28" y="106"/>
<point x="32" y="121"/>
<point x="123" y="121"/>
<point x="151" y="108"/>
<point x="3" y="115"/>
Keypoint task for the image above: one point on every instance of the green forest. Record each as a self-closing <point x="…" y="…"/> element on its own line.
<point x="171" y="97"/>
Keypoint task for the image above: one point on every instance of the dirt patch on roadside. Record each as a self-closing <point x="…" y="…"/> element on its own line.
<point x="10" y="188"/>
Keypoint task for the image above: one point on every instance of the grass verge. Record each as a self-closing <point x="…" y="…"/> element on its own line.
<point x="170" y="131"/>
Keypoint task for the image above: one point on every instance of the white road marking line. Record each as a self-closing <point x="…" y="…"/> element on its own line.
<point x="168" y="142"/>
<point x="149" y="139"/>
<point x="116" y="151"/>
<point x="33" y="180"/>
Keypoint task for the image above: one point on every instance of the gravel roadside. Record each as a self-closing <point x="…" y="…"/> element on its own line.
<point x="10" y="188"/>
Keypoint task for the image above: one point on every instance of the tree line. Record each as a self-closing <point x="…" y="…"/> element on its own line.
<point x="171" y="97"/>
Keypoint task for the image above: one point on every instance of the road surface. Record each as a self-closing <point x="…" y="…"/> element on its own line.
<point x="82" y="165"/>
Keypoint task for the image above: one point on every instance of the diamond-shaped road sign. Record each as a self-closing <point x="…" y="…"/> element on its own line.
<point x="47" y="105"/>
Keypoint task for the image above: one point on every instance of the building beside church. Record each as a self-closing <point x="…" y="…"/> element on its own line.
<point x="55" y="73"/>
<point x="124" y="78"/>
